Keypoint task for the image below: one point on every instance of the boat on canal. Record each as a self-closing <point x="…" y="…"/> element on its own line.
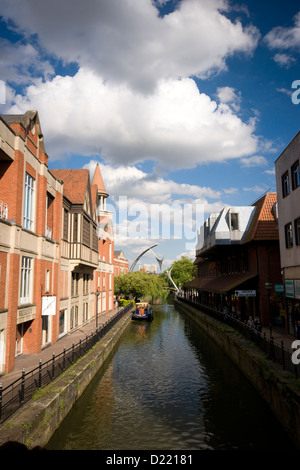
<point x="142" y="311"/>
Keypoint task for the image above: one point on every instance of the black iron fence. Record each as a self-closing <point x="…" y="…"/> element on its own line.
<point x="22" y="390"/>
<point x="277" y="351"/>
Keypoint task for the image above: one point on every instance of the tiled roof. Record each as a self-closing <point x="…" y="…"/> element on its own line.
<point x="98" y="180"/>
<point x="222" y="284"/>
<point x="75" y="184"/>
<point x="263" y="225"/>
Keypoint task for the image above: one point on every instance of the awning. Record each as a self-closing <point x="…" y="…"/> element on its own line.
<point x="220" y="284"/>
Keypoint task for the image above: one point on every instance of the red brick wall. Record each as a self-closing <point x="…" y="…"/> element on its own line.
<point x="11" y="187"/>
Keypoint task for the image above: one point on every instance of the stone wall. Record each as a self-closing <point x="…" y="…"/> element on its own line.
<point x="35" y="423"/>
<point x="281" y="392"/>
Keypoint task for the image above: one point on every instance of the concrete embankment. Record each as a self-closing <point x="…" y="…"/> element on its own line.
<point x="35" y="423"/>
<point x="279" y="389"/>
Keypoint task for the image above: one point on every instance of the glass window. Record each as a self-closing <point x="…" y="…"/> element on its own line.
<point x="297" y="231"/>
<point x="66" y="225"/>
<point x="28" y="213"/>
<point x="62" y="319"/>
<point x="234" y="221"/>
<point x="26" y="280"/>
<point x="288" y="235"/>
<point x="285" y="185"/>
<point x="295" y="175"/>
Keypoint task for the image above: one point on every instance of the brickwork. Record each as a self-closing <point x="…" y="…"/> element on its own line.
<point x="38" y="261"/>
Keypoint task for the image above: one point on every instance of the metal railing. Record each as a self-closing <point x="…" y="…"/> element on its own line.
<point x="15" y="395"/>
<point x="274" y="350"/>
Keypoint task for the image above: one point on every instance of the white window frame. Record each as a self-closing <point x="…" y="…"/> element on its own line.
<point x="29" y="199"/>
<point x="26" y="280"/>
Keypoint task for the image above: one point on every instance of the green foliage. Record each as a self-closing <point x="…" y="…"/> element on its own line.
<point x="182" y="271"/>
<point x="124" y="302"/>
<point x="139" y="285"/>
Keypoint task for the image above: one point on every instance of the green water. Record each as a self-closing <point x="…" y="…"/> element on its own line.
<point x="167" y="386"/>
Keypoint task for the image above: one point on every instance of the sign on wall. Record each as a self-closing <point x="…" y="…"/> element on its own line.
<point x="289" y="288"/>
<point x="245" y="293"/>
<point x="297" y="288"/>
<point x="49" y="305"/>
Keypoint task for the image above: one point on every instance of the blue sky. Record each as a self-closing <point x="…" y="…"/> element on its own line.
<point x="184" y="104"/>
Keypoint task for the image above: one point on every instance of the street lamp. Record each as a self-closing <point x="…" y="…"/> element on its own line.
<point x="268" y="287"/>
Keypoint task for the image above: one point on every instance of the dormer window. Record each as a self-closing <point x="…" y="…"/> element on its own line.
<point x="234" y="221"/>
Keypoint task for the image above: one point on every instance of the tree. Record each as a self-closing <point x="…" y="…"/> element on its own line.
<point x="183" y="271"/>
<point x="139" y="284"/>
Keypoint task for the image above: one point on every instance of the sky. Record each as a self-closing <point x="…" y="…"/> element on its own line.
<point x="185" y="105"/>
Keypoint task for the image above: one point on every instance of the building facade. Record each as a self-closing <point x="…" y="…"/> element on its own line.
<point x="120" y="263"/>
<point x="238" y="262"/>
<point x="288" y="190"/>
<point x="51" y="256"/>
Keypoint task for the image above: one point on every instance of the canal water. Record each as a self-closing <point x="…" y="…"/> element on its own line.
<point x="167" y="386"/>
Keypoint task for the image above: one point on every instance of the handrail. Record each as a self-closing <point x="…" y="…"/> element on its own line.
<point x="22" y="389"/>
<point x="274" y="350"/>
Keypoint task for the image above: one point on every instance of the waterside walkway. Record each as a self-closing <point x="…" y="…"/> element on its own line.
<point x="31" y="361"/>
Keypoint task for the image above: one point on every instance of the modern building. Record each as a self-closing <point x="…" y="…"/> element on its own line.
<point x="288" y="191"/>
<point x="238" y="261"/>
<point x="56" y="260"/>
<point x="148" y="268"/>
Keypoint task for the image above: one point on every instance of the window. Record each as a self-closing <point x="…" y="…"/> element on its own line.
<point x="47" y="283"/>
<point x="74" y="284"/>
<point x="297" y="231"/>
<point x="86" y="278"/>
<point x="85" y="312"/>
<point x="74" y="317"/>
<point x="295" y="175"/>
<point x="62" y="320"/>
<point x="26" y="280"/>
<point x="49" y="215"/>
<point x="234" y="221"/>
<point x="28" y="202"/>
<point x="66" y="225"/>
<point x="285" y="185"/>
<point x="46" y="322"/>
<point x="86" y="232"/>
<point x="75" y="228"/>
<point x="288" y="235"/>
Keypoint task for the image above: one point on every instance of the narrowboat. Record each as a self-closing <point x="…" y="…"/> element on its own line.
<point x="142" y="311"/>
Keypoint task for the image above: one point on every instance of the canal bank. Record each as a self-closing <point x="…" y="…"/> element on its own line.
<point x="36" y="421"/>
<point x="278" y="389"/>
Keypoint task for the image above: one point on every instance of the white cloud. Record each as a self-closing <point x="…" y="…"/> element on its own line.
<point x="270" y="172"/>
<point x="284" y="60"/>
<point x="137" y="185"/>
<point x="257" y="189"/>
<point x="228" y="95"/>
<point x="127" y="42"/>
<point x="285" y="37"/>
<point x="18" y="60"/>
<point x="131" y="99"/>
<point x="177" y="126"/>
<point x="256" y="160"/>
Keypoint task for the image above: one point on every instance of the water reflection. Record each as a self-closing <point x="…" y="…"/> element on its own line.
<point x="167" y="386"/>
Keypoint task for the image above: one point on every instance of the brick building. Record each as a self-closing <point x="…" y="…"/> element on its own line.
<point x="238" y="261"/>
<point x="53" y="266"/>
<point x="120" y="263"/>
